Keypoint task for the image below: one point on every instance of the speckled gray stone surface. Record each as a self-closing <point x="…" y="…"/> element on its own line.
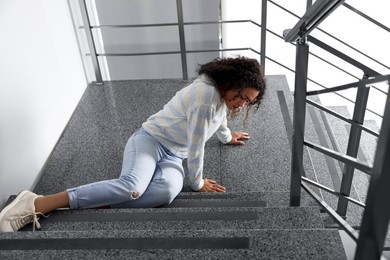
<point x="272" y="199"/>
<point x="91" y="147"/>
<point x="263" y="244"/>
<point x="263" y="163"/>
<point x="197" y="219"/>
<point x="91" y="150"/>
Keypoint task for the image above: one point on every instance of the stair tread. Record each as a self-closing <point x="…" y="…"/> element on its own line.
<point x="267" y="199"/>
<point x="253" y="244"/>
<point x="183" y="218"/>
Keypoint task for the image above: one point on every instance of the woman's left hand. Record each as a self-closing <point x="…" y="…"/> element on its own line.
<point x="211" y="186"/>
<point x="237" y="138"/>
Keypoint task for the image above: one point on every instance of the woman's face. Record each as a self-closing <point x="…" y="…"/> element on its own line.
<point x="236" y="99"/>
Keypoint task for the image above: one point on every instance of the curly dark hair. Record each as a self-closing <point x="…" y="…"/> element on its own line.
<point x="236" y="74"/>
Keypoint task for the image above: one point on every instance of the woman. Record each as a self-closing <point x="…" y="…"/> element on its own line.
<point x="152" y="171"/>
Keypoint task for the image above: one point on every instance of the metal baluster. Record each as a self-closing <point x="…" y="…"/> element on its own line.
<point x="353" y="146"/>
<point x="183" y="51"/>
<point x="301" y="65"/>
<point x="309" y="4"/>
<point x="377" y="212"/>
<point x="91" y="43"/>
<point x="263" y="33"/>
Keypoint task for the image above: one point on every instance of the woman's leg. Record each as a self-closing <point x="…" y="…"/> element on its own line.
<point x="47" y="204"/>
<point x="140" y="158"/>
<point x="141" y="155"/>
<point x="166" y="184"/>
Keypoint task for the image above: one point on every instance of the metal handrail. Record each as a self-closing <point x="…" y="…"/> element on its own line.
<point x="168" y="24"/>
<point x="90" y="40"/>
<point x="336" y="155"/>
<point x="350" y="85"/>
<point x="175" y="24"/>
<point x="367" y="71"/>
<point x="312" y="18"/>
<point x="378" y="189"/>
<point x="320" y="186"/>
<point x="350" y="231"/>
<point x="341" y="157"/>
<point x="353" y="48"/>
<point x="176" y="52"/>
<point x="325" y="89"/>
<point x="182" y="40"/>
<point x="344" y="43"/>
<point x="347" y="120"/>
<point x="376" y="215"/>
<point x="367" y="17"/>
<point x="318" y="57"/>
<point x="337" y="39"/>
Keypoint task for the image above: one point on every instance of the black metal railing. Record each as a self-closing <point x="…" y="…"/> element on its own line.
<point x="375" y="222"/>
<point x="180" y="24"/>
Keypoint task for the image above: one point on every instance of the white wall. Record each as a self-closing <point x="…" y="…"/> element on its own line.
<point x="41" y="81"/>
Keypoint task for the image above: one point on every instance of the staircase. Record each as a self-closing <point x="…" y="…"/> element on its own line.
<point x="252" y="220"/>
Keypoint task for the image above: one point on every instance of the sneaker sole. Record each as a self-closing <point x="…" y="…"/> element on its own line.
<point x="13" y="203"/>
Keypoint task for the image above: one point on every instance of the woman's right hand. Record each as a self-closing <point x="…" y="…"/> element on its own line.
<point x="211" y="186"/>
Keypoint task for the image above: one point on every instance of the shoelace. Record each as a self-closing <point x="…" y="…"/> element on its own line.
<point x="30" y="216"/>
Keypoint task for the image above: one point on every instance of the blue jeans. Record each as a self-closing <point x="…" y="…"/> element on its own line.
<point x="151" y="176"/>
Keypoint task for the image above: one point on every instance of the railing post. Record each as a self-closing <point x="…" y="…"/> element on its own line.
<point x="179" y="6"/>
<point x="263" y="33"/>
<point x="301" y="65"/>
<point x="376" y="215"/>
<point x="353" y="146"/>
<point x="91" y="43"/>
<point x="309" y="4"/>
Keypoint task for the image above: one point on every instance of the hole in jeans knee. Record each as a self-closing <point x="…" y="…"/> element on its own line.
<point x="135" y="195"/>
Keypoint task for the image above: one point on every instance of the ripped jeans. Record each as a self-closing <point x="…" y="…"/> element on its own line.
<point x="151" y="176"/>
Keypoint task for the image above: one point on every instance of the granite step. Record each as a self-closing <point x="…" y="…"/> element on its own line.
<point x="231" y="199"/>
<point x="177" y="244"/>
<point x="183" y="219"/>
<point x="271" y="199"/>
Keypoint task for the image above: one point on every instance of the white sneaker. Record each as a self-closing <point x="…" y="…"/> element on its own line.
<point x="19" y="213"/>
